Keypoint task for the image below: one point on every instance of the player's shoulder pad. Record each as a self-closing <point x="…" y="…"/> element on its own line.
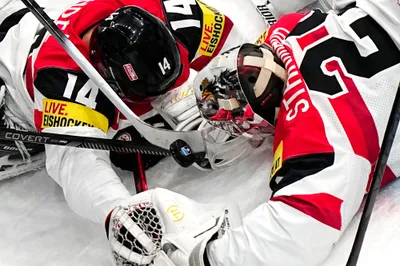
<point x="200" y="28"/>
<point x="287" y="22"/>
<point x="70" y="98"/>
<point x="300" y="149"/>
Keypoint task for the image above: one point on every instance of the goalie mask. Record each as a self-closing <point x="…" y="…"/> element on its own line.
<point x="239" y="93"/>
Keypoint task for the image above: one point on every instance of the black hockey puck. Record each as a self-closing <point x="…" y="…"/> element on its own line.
<point x="182" y="153"/>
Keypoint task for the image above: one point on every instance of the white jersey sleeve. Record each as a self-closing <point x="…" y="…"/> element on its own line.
<point x="343" y="78"/>
<point x="90" y="185"/>
<point x="15" y="48"/>
<point x="386" y="13"/>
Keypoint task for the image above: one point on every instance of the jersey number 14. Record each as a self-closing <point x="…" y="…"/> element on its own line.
<point x="86" y="95"/>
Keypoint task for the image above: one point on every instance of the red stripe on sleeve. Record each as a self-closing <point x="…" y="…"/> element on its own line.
<point x="356" y="119"/>
<point x="323" y="207"/>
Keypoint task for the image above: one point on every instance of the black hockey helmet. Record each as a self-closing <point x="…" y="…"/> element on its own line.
<point x="136" y="53"/>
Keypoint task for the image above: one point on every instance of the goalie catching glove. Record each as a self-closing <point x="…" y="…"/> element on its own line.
<point x="162" y="228"/>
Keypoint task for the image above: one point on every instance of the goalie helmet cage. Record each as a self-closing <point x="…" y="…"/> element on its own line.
<point x="387" y="143"/>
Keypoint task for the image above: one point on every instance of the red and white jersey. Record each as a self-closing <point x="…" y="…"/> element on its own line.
<point x="56" y="81"/>
<point x="48" y="91"/>
<point x="385" y="12"/>
<point x="18" y="30"/>
<point x="343" y="74"/>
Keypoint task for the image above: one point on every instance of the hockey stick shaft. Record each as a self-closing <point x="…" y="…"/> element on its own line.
<point x="80" y="142"/>
<point x="325" y="5"/>
<point x="264" y="9"/>
<point x="139" y="175"/>
<point x="380" y="167"/>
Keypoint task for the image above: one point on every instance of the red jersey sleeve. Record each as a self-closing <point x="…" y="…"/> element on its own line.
<point x="288" y="22"/>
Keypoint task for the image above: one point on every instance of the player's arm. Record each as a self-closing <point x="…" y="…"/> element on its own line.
<point x="315" y="197"/>
<point x="303" y="220"/>
<point x="202" y="30"/>
<point x="318" y="186"/>
<point x="66" y="102"/>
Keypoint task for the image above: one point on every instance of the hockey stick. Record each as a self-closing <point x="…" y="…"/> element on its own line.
<point x="264" y="9"/>
<point x="11" y="148"/>
<point x="9" y="136"/>
<point x="80" y="142"/>
<point x="139" y="175"/>
<point x="380" y="167"/>
<point x="159" y="137"/>
<point x="325" y="5"/>
<point x="178" y="150"/>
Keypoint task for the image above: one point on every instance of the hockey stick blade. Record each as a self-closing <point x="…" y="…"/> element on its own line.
<point x="10" y="147"/>
<point x="158" y="137"/>
<point x="80" y="142"/>
<point x="380" y="167"/>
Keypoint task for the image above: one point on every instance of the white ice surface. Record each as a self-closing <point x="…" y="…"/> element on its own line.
<point x="38" y="228"/>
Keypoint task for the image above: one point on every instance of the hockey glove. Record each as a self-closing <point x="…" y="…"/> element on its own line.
<point x="179" y="109"/>
<point x="188" y="248"/>
<point x="127" y="161"/>
<point x="152" y="224"/>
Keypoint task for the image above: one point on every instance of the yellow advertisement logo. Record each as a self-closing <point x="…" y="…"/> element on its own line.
<point x="176" y="214"/>
<point x="260" y="40"/>
<point x="277" y="162"/>
<point x="213" y="27"/>
<point x="66" y="114"/>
